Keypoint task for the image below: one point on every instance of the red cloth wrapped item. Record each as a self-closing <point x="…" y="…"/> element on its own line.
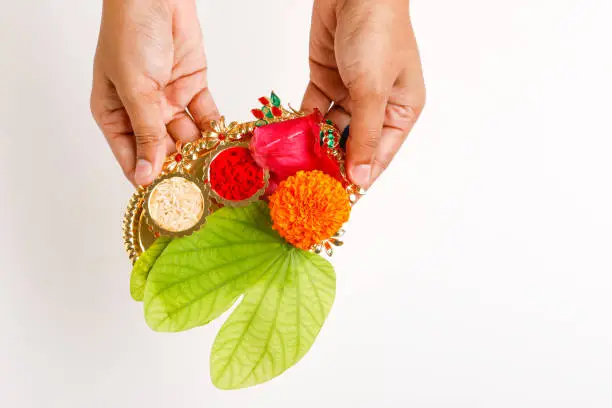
<point x="285" y="148"/>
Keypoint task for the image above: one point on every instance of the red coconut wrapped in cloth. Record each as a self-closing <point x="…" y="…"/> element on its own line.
<point x="285" y="148"/>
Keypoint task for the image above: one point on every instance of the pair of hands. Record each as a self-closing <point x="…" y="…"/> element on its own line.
<point x="150" y="88"/>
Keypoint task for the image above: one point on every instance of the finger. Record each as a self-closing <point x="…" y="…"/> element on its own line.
<point x="170" y="145"/>
<point x="368" y="110"/>
<point x="118" y="133"/>
<point x="150" y="134"/>
<point x="114" y="122"/>
<point x="203" y="109"/>
<point x="183" y="129"/>
<point x="405" y="106"/>
<point x="392" y="137"/>
<point x="117" y="130"/>
<point x="314" y="98"/>
<point x="339" y="116"/>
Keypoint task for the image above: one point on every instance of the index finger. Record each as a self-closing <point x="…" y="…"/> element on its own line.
<point x="114" y="122"/>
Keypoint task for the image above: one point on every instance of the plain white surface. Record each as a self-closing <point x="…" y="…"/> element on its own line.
<point x="477" y="273"/>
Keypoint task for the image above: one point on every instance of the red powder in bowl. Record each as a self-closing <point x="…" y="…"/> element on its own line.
<point x="234" y="175"/>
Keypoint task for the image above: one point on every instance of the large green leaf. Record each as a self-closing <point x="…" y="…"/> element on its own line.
<point x="200" y="276"/>
<point x="288" y="293"/>
<point x="143" y="266"/>
<point x="277" y="321"/>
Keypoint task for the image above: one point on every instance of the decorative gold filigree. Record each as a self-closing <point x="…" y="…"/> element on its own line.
<point x="131" y="236"/>
<point x="329" y="244"/>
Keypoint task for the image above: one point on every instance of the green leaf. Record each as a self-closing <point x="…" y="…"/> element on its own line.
<point x="288" y="293"/>
<point x="143" y="266"/>
<point x="198" y="277"/>
<point x="275" y="99"/>
<point x="276" y="323"/>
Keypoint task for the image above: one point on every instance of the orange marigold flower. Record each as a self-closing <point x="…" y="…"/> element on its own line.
<point x="308" y="208"/>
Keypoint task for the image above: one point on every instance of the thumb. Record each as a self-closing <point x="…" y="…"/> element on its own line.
<point x="150" y="133"/>
<point x="368" y="114"/>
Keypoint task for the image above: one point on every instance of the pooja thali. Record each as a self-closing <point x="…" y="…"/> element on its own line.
<point x="212" y="172"/>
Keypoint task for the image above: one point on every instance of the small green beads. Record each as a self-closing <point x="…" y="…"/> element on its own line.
<point x="330" y="137"/>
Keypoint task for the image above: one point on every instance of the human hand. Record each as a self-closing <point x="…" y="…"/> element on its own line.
<point x="149" y="87"/>
<point x="365" y="65"/>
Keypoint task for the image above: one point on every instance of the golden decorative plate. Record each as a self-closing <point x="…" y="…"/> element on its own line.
<point x="191" y="162"/>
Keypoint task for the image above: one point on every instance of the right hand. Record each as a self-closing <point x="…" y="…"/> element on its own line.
<point x="149" y="87"/>
<point x="365" y="65"/>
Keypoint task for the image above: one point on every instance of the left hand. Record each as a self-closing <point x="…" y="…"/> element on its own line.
<point x="150" y="89"/>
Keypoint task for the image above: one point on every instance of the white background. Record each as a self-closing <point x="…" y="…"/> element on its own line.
<point x="477" y="273"/>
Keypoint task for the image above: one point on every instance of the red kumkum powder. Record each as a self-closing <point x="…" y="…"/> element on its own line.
<point x="234" y="175"/>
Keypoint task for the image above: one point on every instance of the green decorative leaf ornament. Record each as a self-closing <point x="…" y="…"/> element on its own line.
<point x="275" y="100"/>
<point x="267" y="112"/>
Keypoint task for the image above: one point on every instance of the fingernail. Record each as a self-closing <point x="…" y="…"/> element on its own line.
<point x="376" y="171"/>
<point x="361" y="175"/>
<point x="143" y="172"/>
